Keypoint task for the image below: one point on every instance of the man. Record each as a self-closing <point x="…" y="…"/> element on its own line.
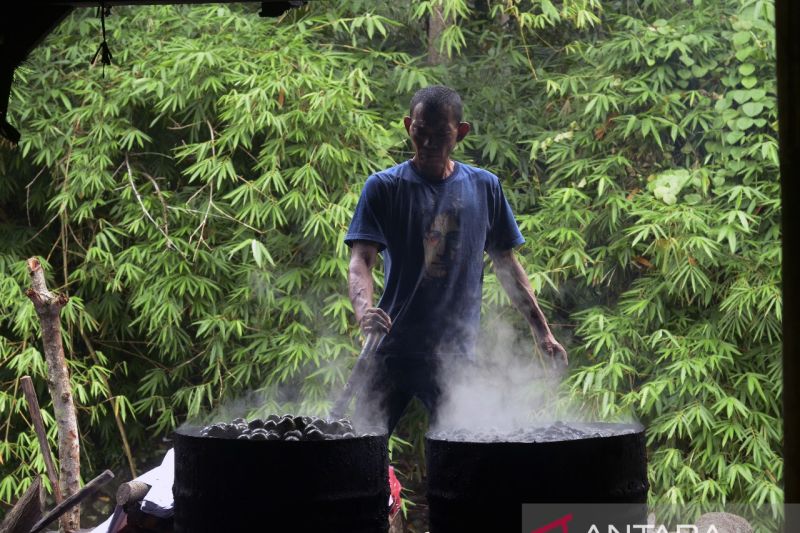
<point x="432" y="218"/>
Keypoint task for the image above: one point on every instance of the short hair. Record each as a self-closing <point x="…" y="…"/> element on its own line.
<point x="436" y="98"/>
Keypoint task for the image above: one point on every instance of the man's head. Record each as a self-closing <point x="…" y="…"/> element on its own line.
<point x="434" y="125"/>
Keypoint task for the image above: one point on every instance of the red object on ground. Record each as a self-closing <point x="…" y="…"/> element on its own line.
<point x="394" y="493"/>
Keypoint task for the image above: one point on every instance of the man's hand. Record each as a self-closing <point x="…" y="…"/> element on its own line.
<point x="362" y="260"/>
<point x="551" y="348"/>
<point x="375" y="319"/>
<point x="515" y="282"/>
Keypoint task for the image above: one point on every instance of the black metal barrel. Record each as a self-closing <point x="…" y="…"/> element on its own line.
<point x="229" y="485"/>
<point x="481" y="486"/>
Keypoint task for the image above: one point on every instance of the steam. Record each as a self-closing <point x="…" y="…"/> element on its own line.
<point x="507" y="389"/>
<point x="255" y="404"/>
<point x="370" y="416"/>
<point x="306" y="394"/>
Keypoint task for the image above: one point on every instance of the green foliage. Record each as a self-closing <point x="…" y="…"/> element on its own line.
<point x="192" y="203"/>
<point x="638" y="144"/>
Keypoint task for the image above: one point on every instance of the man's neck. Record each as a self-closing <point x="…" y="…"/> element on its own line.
<point x="436" y="173"/>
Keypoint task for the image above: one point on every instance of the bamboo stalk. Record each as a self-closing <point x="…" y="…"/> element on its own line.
<point x="117" y="418"/>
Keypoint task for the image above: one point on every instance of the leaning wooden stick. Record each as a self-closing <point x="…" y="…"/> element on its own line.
<point x="48" y="308"/>
<point x="41" y="434"/>
<point x="73" y="500"/>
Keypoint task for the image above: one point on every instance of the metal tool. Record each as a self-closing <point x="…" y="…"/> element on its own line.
<point x="359" y="375"/>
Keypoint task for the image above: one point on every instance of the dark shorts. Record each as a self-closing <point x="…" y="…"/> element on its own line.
<point x="394" y="381"/>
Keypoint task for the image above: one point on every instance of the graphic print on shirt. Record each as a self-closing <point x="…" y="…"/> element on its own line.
<point x="442" y="244"/>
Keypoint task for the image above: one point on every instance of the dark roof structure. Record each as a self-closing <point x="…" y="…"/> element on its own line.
<point x="30" y="22"/>
<point x="19" y="34"/>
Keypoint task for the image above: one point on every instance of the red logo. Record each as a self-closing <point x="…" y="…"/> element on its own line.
<point x="561" y="522"/>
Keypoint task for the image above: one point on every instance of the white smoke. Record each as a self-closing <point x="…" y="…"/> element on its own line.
<point x="294" y="397"/>
<point x="506" y="389"/>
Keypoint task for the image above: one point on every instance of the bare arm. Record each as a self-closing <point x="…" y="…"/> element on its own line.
<point x="363" y="257"/>
<point x="513" y="279"/>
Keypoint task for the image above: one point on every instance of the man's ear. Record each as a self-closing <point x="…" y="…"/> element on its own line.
<point x="463" y="130"/>
<point x="407" y="122"/>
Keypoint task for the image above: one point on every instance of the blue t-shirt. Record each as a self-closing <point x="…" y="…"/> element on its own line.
<point x="432" y="235"/>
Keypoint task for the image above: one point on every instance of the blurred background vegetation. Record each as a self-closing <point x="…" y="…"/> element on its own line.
<point x="191" y="200"/>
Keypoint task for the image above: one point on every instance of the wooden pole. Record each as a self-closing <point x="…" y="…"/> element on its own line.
<point x="48" y="308"/>
<point x="41" y="434"/>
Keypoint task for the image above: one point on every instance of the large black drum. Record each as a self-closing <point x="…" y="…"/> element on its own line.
<point x="481" y="486"/>
<point x="229" y="485"/>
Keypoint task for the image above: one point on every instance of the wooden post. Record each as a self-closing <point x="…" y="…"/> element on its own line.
<point x="48" y="308"/>
<point x="41" y="434"/>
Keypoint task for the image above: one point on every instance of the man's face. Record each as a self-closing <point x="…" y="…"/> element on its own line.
<point x="434" y="134"/>
<point x="442" y="242"/>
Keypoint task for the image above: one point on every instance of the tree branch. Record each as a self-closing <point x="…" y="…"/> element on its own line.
<point x="48" y="308"/>
<point x="147" y="214"/>
<point x="161" y="198"/>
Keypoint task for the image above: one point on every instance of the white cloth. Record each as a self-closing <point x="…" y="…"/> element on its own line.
<point x="158" y="501"/>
